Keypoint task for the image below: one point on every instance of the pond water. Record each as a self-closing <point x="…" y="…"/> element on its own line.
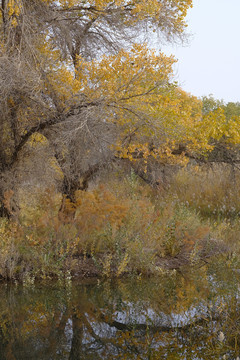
<point x="189" y="315"/>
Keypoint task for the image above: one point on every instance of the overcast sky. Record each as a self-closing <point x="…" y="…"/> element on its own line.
<point x="210" y="64"/>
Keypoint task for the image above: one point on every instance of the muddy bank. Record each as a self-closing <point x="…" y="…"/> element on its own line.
<point x="87" y="267"/>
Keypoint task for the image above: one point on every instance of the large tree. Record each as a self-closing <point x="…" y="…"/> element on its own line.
<point x="81" y="74"/>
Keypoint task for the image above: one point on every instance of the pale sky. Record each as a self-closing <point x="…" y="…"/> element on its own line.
<point x="210" y="64"/>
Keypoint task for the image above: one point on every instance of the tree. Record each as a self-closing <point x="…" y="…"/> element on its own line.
<point x="209" y="103"/>
<point x="220" y="127"/>
<point x="81" y="74"/>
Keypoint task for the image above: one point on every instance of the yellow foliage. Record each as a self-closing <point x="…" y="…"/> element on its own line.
<point x="140" y="9"/>
<point x="37" y="139"/>
<point x="14" y="9"/>
<point x="55" y="166"/>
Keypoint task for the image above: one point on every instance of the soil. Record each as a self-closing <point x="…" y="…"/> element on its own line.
<point x="85" y="267"/>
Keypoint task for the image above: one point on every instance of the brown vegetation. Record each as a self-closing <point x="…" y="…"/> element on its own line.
<point x="122" y="227"/>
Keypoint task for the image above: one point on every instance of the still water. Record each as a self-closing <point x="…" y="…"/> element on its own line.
<point x="190" y="315"/>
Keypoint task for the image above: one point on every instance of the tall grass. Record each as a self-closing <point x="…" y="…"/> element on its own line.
<point x="211" y="190"/>
<point x="122" y="227"/>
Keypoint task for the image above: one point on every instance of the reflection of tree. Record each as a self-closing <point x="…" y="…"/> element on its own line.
<point x="3" y="346"/>
<point x="94" y="329"/>
<point x="126" y="338"/>
<point x="107" y="321"/>
<point x="77" y="339"/>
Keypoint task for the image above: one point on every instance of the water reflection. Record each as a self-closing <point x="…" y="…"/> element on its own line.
<point x="174" y="316"/>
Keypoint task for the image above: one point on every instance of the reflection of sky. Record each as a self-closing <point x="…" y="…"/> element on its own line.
<point x="137" y="315"/>
<point x="132" y="313"/>
<point x="210" y="64"/>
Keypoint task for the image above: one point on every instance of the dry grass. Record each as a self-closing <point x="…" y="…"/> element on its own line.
<point x="124" y="226"/>
<point x="212" y="191"/>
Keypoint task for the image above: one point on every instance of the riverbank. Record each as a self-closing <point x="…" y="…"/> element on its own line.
<point x="87" y="267"/>
<point x="122" y="227"/>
